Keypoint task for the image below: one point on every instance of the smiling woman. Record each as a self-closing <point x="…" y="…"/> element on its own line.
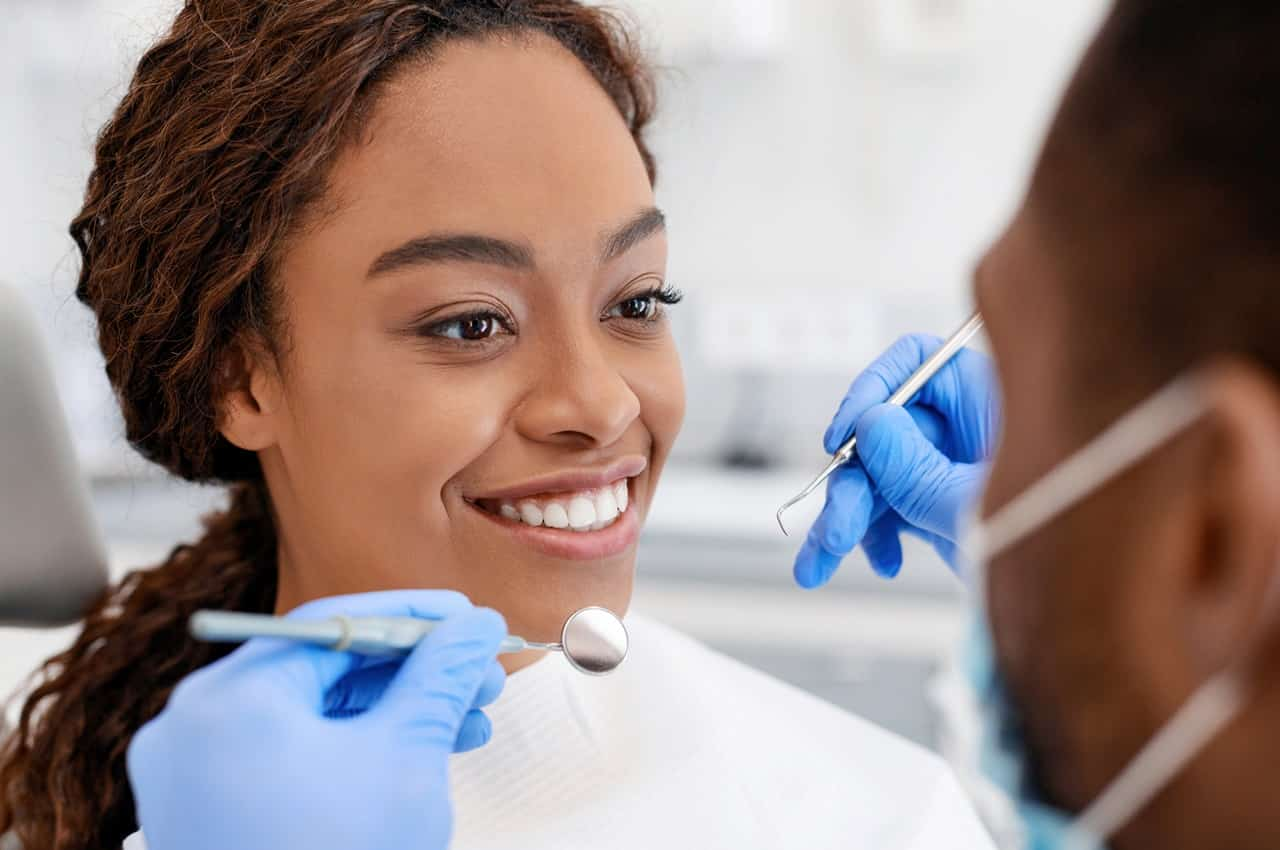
<point x="478" y="315"/>
<point x="373" y="264"/>
<point x="393" y="270"/>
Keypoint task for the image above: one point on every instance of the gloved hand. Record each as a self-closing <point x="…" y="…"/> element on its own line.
<point x="917" y="469"/>
<point x="243" y="756"/>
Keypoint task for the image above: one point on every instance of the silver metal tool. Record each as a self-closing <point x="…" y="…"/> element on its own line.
<point x="902" y="398"/>
<point x="593" y="639"/>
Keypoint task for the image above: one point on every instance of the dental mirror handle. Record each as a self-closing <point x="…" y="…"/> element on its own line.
<point x="372" y="636"/>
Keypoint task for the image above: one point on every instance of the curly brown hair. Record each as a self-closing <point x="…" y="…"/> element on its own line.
<point x="218" y="150"/>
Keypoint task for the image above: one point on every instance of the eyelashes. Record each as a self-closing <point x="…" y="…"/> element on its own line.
<point x="637" y="311"/>
<point x="646" y="306"/>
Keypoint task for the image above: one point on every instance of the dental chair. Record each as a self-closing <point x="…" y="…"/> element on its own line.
<point x="52" y="557"/>
<point x="53" y="561"/>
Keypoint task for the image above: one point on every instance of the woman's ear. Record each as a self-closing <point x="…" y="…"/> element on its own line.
<point x="248" y="396"/>
<point x="1239" y="560"/>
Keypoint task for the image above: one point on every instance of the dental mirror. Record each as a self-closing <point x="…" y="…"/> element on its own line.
<point x="593" y="639"/>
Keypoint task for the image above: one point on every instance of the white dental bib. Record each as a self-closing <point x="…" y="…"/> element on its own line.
<point x="685" y="748"/>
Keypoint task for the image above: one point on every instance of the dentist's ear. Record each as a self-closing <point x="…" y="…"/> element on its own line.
<point x="1240" y="558"/>
<point x="248" y="396"/>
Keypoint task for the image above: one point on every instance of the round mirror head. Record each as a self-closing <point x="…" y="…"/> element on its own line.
<point x="594" y="640"/>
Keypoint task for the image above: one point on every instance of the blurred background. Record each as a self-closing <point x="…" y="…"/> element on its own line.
<point x="831" y="170"/>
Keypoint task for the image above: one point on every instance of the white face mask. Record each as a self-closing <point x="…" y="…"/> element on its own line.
<point x="981" y="734"/>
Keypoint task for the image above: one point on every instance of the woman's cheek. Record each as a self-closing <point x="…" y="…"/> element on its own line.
<point x="660" y="388"/>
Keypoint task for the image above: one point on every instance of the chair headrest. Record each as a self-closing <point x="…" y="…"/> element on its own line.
<point x="52" y="557"/>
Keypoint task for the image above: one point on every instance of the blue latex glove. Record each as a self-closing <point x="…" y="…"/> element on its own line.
<point x="244" y="757"/>
<point x="918" y="469"/>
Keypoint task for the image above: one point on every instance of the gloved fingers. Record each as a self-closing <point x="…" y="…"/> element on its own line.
<point x="838" y="529"/>
<point x="932" y="425"/>
<point x="360" y="688"/>
<point x="965" y="392"/>
<point x="883" y="546"/>
<point x="847" y="510"/>
<point x="949" y="552"/>
<point x="304" y="674"/>
<point x="946" y="548"/>
<point x="814" y="565"/>
<point x="141" y="758"/>
<point x="439" y="682"/>
<point x="495" y="679"/>
<point x="369" y="677"/>
<point x="424" y="604"/>
<point x="876" y="383"/>
<point x="908" y="471"/>
<point x="475" y="732"/>
<point x="967" y="395"/>
<point x="308" y="672"/>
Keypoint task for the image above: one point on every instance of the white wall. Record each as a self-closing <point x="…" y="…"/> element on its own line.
<point x="65" y="65"/>
<point x="836" y="189"/>
<point x="831" y="169"/>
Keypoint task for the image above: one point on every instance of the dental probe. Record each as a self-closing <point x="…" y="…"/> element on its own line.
<point x="901" y="398"/>
<point x="593" y="639"/>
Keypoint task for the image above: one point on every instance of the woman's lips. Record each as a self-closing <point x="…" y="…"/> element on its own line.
<point x="567" y="481"/>
<point x="583" y="514"/>
<point x="565" y="543"/>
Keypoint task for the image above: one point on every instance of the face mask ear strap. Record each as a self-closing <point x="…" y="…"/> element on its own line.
<point x="1200" y="719"/>
<point x="1126" y="441"/>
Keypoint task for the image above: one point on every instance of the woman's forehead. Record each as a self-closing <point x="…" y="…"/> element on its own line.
<point x="505" y="133"/>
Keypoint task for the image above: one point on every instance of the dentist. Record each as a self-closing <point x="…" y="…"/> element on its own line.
<point x="1121" y="683"/>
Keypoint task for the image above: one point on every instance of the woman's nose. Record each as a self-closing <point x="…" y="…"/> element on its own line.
<point x="579" y="399"/>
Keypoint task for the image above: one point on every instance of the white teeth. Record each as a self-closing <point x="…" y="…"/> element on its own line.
<point x="582" y="514"/>
<point x="555" y="516"/>
<point x="606" y="506"/>
<point x="530" y="514"/>
<point x="589" y="510"/>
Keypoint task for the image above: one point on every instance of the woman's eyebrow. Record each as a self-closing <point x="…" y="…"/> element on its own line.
<point x="454" y="248"/>
<point x="490" y="250"/>
<point x="638" y="228"/>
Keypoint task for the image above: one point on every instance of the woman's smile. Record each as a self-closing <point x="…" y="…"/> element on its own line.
<point x="583" y="514"/>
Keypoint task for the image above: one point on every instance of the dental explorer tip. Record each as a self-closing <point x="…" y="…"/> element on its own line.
<point x="778" y="517"/>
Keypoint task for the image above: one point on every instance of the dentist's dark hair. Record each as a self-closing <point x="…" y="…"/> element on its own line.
<point x="1161" y="185"/>
<point x="218" y="152"/>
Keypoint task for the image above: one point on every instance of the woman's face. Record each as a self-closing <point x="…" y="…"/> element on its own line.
<point x="477" y="352"/>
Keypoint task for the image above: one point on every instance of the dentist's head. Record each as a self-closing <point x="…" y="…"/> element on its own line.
<point x="1148" y="248"/>
<point x="394" y="270"/>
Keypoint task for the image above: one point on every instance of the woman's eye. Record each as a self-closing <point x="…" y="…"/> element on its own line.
<point x="641" y="307"/>
<point x="646" y="307"/>
<point x="474" y="328"/>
